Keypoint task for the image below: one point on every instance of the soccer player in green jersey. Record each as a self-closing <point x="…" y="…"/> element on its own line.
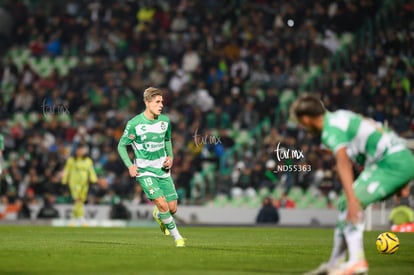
<point x="149" y="134"/>
<point x="388" y="167"/>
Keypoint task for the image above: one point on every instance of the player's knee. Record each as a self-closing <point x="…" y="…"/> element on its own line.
<point x="161" y="204"/>
<point x="172" y="205"/>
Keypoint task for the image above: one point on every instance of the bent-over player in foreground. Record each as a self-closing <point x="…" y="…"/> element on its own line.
<point x="388" y="167"/>
<point x="149" y="134"/>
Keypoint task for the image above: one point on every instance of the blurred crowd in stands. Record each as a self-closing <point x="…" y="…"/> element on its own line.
<point x="224" y="66"/>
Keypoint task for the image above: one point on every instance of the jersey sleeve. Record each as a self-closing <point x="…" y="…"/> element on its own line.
<point x="334" y="138"/>
<point x="335" y="134"/>
<point x="129" y="135"/>
<point x="168" y="133"/>
<point x="126" y="139"/>
<point x="93" y="178"/>
<point x="66" y="170"/>
<point x="168" y="143"/>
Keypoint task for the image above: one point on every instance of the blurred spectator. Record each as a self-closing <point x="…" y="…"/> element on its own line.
<point x="24" y="212"/>
<point x="268" y="213"/>
<point x="191" y="60"/>
<point x="241" y="182"/>
<point x="1" y="155"/>
<point x="285" y="202"/>
<point x="12" y="207"/>
<point x="118" y="210"/>
<point x="218" y="119"/>
<point x="257" y="177"/>
<point x="248" y="117"/>
<point x="6" y="26"/>
<point x="48" y="211"/>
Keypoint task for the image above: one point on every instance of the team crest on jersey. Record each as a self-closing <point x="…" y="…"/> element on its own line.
<point x="163" y="126"/>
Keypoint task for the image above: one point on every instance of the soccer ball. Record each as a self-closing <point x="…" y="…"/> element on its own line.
<point x="387" y="243"/>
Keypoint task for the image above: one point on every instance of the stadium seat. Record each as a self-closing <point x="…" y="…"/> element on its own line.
<point x="276" y="193"/>
<point x="295" y="193"/>
<point x="263" y="192"/>
<point x="237" y="202"/>
<point x="254" y="202"/>
<point x="320" y="203"/>
<point x="220" y="200"/>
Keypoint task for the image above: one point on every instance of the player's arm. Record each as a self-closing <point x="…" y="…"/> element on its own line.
<point x="66" y="170"/>
<point x="168" y="148"/>
<point x="123" y="153"/>
<point x="93" y="178"/>
<point x="124" y="141"/>
<point x="346" y="175"/>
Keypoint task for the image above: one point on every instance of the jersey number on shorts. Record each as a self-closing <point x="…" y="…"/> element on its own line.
<point x="148" y="181"/>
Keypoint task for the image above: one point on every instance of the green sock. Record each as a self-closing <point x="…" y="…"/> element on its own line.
<point x="168" y="221"/>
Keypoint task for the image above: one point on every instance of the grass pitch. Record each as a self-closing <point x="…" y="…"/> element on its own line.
<point x="210" y="250"/>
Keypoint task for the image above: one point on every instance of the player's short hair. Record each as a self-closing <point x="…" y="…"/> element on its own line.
<point x="306" y="105"/>
<point x="151" y="92"/>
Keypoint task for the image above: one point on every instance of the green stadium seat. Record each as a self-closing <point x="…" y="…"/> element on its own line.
<point x="263" y="192"/>
<point x="254" y="202"/>
<point x="295" y="193"/>
<point x="61" y="66"/>
<point x="303" y="203"/>
<point x="237" y="202"/>
<point x="277" y="193"/>
<point x="321" y="203"/>
<point x="220" y="200"/>
<point x="72" y="61"/>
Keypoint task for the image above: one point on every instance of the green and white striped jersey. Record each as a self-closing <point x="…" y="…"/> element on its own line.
<point x="147" y="138"/>
<point x="366" y="140"/>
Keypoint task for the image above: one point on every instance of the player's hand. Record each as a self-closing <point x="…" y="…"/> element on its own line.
<point x="168" y="162"/>
<point x="354" y="213"/>
<point x="133" y="170"/>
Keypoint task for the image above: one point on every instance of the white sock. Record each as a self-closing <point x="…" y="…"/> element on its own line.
<point x="338" y="253"/>
<point x="354" y="235"/>
<point x="339" y="248"/>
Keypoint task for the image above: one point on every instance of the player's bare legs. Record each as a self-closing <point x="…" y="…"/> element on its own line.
<point x="172" y="206"/>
